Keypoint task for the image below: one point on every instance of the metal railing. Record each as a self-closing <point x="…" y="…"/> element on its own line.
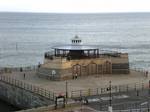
<point x="18" y="69"/>
<point x="50" y="55"/>
<point x="28" y="87"/>
<point x="139" y="70"/>
<point x="128" y="106"/>
<point x="105" y="90"/>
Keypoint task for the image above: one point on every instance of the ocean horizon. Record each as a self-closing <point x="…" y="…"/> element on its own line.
<point x="24" y="37"/>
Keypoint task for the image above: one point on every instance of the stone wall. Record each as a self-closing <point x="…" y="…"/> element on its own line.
<point x="67" y="69"/>
<point x="20" y="97"/>
<point x="120" y="68"/>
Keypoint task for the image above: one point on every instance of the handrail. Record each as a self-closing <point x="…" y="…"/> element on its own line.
<point x="104" y="90"/>
<point x="18" y="69"/>
<point x="51" y="56"/>
<point x="28" y="87"/>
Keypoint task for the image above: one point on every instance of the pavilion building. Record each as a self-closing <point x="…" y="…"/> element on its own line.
<point x="76" y="59"/>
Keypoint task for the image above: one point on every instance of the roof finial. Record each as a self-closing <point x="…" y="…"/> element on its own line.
<point x="76" y="37"/>
<point x="76" y="40"/>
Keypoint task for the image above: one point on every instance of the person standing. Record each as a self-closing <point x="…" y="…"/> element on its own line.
<point x="76" y="76"/>
<point x="146" y="74"/>
<point x="21" y="69"/>
<point x="24" y="76"/>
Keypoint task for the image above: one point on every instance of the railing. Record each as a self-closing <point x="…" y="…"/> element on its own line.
<point x="28" y="87"/>
<point x="50" y="55"/>
<point x="129" y="106"/>
<point x="18" y="69"/>
<point x="145" y="73"/>
<point x="106" y="90"/>
<point x="28" y="68"/>
<point x="139" y="70"/>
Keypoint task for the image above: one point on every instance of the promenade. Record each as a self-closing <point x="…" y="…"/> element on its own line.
<point x="81" y="83"/>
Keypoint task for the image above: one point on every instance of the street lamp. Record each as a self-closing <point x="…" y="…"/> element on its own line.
<point x="110" y="100"/>
<point x="66" y="90"/>
<point x="149" y="87"/>
<point x="110" y="93"/>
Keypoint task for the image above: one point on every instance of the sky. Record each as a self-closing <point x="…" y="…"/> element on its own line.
<point x="75" y="6"/>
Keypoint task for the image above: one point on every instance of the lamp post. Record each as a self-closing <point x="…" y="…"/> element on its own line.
<point x="110" y="100"/>
<point x="149" y="87"/>
<point x="66" y="91"/>
<point x="109" y="93"/>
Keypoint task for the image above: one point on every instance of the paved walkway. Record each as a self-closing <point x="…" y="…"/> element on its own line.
<point x="81" y="82"/>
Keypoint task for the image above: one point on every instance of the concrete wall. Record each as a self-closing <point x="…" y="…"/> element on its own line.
<point x="20" y="97"/>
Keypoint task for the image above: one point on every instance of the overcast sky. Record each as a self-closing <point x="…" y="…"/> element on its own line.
<point x="75" y="6"/>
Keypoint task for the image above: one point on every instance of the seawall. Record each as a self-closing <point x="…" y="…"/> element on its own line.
<point x="21" y="95"/>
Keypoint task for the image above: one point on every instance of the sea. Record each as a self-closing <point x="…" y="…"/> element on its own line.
<point x="24" y="37"/>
